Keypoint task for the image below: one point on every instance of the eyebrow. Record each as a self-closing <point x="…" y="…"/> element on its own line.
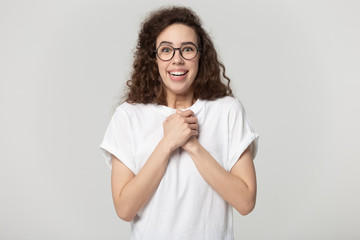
<point x="170" y="43"/>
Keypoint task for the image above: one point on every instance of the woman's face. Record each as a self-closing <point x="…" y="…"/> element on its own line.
<point x="178" y="74"/>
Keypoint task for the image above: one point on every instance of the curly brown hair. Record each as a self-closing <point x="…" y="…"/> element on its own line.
<point x="145" y="85"/>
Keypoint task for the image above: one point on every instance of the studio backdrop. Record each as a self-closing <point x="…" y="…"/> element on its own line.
<point x="294" y="65"/>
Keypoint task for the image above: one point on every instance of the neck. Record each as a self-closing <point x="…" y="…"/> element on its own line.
<point x="180" y="102"/>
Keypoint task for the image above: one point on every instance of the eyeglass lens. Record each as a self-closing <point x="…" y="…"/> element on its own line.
<point x="187" y="51"/>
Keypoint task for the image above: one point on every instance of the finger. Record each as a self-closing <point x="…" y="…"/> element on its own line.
<point x="191" y="119"/>
<point x="194" y="127"/>
<point x="194" y="133"/>
<point x="171" y="116"/>
<point x="186" y="113"/>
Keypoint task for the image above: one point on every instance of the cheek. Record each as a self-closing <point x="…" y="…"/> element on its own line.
<point x="161" y="67"/>
<point x="196" y="68"/>
<point x="162" y="70"/>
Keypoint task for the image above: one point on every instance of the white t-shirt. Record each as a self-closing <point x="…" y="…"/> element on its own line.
<point x="184" y="206"/>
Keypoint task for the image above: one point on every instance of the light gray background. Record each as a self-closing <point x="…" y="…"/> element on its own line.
<point x="293" y="64"/>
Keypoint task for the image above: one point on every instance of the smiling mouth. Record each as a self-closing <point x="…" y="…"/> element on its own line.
<point x="178" y="74"/>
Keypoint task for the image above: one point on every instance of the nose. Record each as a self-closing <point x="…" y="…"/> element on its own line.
<point x="177" y="59"/>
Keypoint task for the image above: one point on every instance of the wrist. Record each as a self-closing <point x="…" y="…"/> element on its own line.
<point x="192" y="146"/>
<point x="166" y="146"/>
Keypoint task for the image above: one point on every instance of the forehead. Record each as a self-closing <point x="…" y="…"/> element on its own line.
<point x="177" y="33"/>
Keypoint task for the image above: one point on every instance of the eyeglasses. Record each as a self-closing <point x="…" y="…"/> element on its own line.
<point x="187" y="51"/>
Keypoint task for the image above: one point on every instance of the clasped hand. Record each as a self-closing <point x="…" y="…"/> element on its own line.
<point x="179" y="128"/>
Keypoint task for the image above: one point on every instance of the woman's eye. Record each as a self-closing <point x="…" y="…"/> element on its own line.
<point x="166" y="49"/>
<point x="188" y="49"/>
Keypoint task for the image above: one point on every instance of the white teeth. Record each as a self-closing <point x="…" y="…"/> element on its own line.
<point x="178" y="73"/>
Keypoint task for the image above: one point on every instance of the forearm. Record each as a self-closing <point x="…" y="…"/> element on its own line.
<point x="138" y="191"/>
<point x="231" y="188"/>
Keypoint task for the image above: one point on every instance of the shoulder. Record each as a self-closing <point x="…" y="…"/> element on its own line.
<point x="224" y="108"/>
<point x="224" y="103"/>
<point x="138" y="112"/>
<point x="131" y="108"/>
<point x="125" y="106"/>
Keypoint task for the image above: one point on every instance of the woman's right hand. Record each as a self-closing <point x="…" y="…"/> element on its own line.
<point x="179" y="127"/>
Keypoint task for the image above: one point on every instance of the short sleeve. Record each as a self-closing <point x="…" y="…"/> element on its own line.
<point x="241" y="134"/>
<point x="118" y="140"/>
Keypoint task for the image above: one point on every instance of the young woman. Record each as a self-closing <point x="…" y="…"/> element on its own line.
<point x="181" y="147"/>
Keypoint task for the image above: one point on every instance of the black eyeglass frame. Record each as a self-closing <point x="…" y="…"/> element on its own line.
<point x="174" y="49"/>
